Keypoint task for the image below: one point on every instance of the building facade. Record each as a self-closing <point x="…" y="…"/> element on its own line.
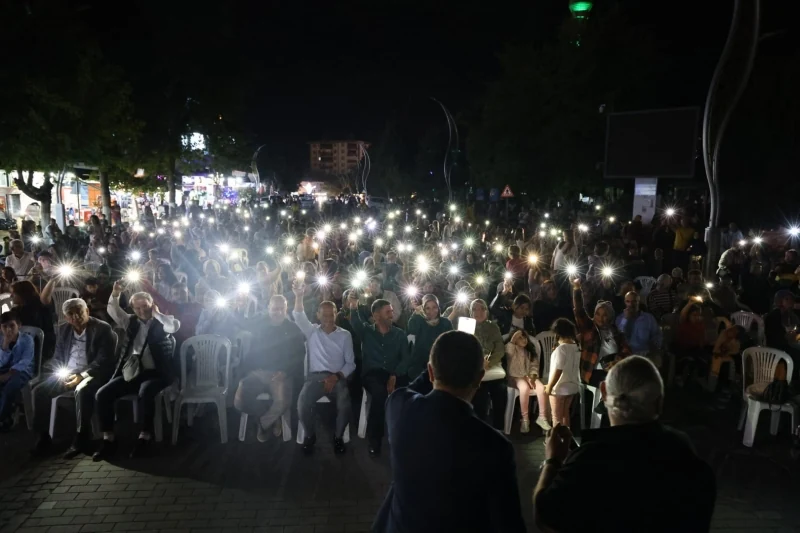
<point x="336" y="157"/>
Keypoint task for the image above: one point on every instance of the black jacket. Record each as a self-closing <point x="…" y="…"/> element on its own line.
<point x="503" y="317"/>
<point x="450" y="470"/>
<point x="100" y="348"/>
<point x="653" y="480"/>
<point x="161" y="344"/>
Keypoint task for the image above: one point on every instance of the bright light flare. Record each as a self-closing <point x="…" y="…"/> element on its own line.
<point x="411" y="291"/>
<point x="353" y="237"/>
<point x="322" y="280"/>
<point x="498" y="248"/>
<point x="469" y="242"/>
<point x="243" y="288"/>
<point x="300" y="275"/>
<point x="454" y="269"/>
<point x="224" y="248"/>
<point x="487" y="223"/>
<point x="135" y="255"/>
<point x="66" y="271"/>
<point x="794" y="231"/>
<point x="357" y="220"/>
<point x="175" y="224"/>
<point x="101" y="250"/>
<point x="452" y="207"/>
<point x="607" y="272"/>
<point x="419" y="212"/>
<point x="709" y="285"/>
<point x="327" y="228"/>
<point x="36" y="239"/>
<point x="612" y="219"/>
<point x="507" y="275"/>
<point x="533" y="259"/>
<point x="445" y="252"/>
<point x="670" y="211"/>
<point x="480" y="280"/>
<point x="542" y="234"/>
<point x="547" y="215"/>
<point x="63" y="373"/>
<point x="177" y="234"/>
<point x="247" y="228"/>
<point x="407" y="229"/>
<point x="133" y="276"/>
<point x="743" y="243"/>
<point x="571" y="270"/>
<point x="270" y="250"/>
<point x="290" y="241"/>
<point x="462" y="297"/>
<point x="758" y="240"/>
<point x="583" y="228"/>
<point x="454" y="246"/>
<point x="342" y="226"/>
<point x="220" y="302"/>
<point x="286" y="260"/>
<point x="160" y="231"/>
<point x="423" y="265"/>
<point x="379" y="241"/>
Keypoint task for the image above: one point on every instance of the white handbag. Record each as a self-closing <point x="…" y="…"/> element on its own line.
<point x="494" y="373"/>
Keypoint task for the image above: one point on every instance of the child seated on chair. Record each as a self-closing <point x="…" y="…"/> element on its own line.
<point x="523" y="374"/>
<point x="725" y="349"/>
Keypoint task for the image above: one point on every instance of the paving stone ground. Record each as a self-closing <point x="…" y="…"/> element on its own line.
<point x="202" y="485"/>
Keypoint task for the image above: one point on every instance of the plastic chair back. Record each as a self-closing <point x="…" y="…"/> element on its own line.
<point x="205" y="369"/>
<point x="6" y="303"/>
<point x="764" y="363"/>
<point x="746" y="319"/>
<point x="181" y="276"/>
<point x="38" y="347"/>
<point x="646" y="282"/>
<point x="61" y="295"/>
<point x="252" y="307"/>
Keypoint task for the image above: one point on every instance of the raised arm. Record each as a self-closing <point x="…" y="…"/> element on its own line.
<point x="120" y="317"/>
<point x="47" y="293"/>
<point x="299" y="313"/>
<point x="355" y="317"/>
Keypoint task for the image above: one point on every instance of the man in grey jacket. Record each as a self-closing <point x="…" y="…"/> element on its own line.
<point x="84" y="361"/>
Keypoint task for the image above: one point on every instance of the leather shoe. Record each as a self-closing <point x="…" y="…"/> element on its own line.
<point x="140" y="449"/>
<point x="77" y="447"/>
<point x="107" y="449"/>
<point x="42" y="445"/>
<point x="308" y="444"/>
<point x="338" y="446"/>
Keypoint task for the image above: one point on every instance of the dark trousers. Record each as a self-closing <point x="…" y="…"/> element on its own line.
<point x="9" y="391"/>
<point x="84" y="395"/>
<point x="374" y="383"/>
<point x="147" y="384"/>
<point x="491" y="393"/>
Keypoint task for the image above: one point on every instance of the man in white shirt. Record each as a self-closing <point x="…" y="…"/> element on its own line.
<point x="145" y="366"/>
<point x="20" y="260"/>
<point x="330" y="361"/>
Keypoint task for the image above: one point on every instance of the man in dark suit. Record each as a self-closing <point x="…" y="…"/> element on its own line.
<point x="83" y="362"/>
<point x="451" y="471"/>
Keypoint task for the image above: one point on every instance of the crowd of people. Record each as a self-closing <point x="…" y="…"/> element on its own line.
<point x="371" y="292"/>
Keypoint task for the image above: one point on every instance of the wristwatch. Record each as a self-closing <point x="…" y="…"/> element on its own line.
<point x="554" y="461"/>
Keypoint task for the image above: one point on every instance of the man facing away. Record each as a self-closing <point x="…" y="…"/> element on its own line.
<point x="649" y="475"/>
<point x="84" y="361"/>
<point x="17" y="362"/>
<point x="330" y="362"/>
<point x="450" y="470"/>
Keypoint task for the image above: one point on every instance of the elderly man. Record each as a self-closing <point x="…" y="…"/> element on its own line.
<point x="83" y="362"/>
<point x="20" y="260"/>
<point x="385" y="356"/>
<point x="16" y="365"/>
<point x="145" y="367"/>
<point x="640" y="328"/>
<point x="330" y="361"/>
<point x="662" y="299"/>
<point x="274" y="362"/>
<point x="666" y="486"/>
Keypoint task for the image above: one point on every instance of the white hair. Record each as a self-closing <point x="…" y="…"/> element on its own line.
<point x="73" y="303"/>
<point x="634" y="390"/>
<point x="142" y="296"/>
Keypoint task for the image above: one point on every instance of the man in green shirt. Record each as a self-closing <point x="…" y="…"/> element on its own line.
<point x="385" y="359"/>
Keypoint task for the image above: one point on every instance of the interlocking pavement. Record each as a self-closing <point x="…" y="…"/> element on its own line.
<point x="202" y="485"/>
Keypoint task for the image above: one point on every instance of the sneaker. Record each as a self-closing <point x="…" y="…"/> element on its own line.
<point x="106" y="450"/>
<point x="544" y="424"/>
<point x="263" y="434"/>
<point x="338" y="446"/>
<point x="525" y="426"/>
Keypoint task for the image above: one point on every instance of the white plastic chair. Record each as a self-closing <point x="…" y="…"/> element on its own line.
<point x="547" y="343"/>
<point x="301" y="431"/>
<point x="61" y="295"/>
<point x="27" y="389"/>
<point x="746" y="319"/>
<point x="594" y="418"/>
<point x="206" y="387"/>
<point x="646" y="283"/>
<point x="765" y="362"/>
<point x="181" y="276"/>
<point x="6" y="302"/>
<point x="366" y="401"/>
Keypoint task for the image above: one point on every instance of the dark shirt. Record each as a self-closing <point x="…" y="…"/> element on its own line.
<point x="545" y="313"/>
<point x="278" y="348"/>
<point x="641" y="477"/>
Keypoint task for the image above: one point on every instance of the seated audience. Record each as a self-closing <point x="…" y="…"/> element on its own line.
<point x="17" y="365"/>
<point x="424" y="327"/>
<point x="640" y="328"/>
<point x="491" y="395"/>
<point x="330" y="361"/>
<point x="21" y="261"/>
<point x="31" y="311"/>
<point x="524" y="365"/>
<point x="83" y="362"/>
<point x="145" y="367"/>
<point x="662" y="298"/>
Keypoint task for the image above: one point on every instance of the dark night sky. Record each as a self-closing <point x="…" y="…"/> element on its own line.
<point x="313" y="69"/>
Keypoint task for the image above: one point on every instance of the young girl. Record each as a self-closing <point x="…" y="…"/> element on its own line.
<point x="523" y="373"/>
<point x="564" y="371"/>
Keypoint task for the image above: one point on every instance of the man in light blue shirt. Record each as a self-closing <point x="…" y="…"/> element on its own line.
<point x="16" y="364"/>
<point x="641" y="329"/>
<point x="330" y="361"/>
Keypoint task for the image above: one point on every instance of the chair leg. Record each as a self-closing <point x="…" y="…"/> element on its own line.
<point x="158" y="420"/>
<point x="581" y="393"/>
<point x="243" y="426"/>
<point x="753" y="410"/>
<point x="27" y="405"/>
<point x="190" y="409"/>
<point x="136" y="411"/>
<point x="222" y="413"/>
<point x="742" y="416"/>
<point x="301" y="433"/>
<point x="774" y="422"/>
<point x="346" y="436"/>
<point x="362" y="422"/>
<point x="286" y="422"/>
<point x="53" y="407"/>
<point x="167" y="406"/>
<point x="596" y="419"/>
<point x="513" y="394"/>
<point x="176" y="417"/>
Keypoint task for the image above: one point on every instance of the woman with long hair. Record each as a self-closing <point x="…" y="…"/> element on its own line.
<point x="33" y="312"/>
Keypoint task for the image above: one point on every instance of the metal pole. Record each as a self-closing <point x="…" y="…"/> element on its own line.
<point x="448" y="164"/>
